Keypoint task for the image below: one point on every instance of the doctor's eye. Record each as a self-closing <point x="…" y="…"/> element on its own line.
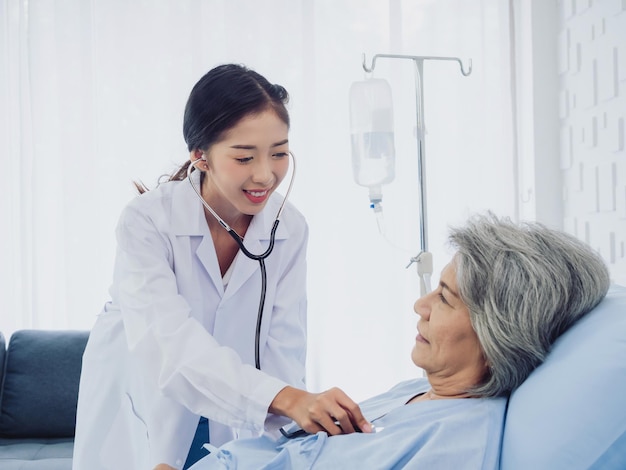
<point x="280" y="154"/>
<point x="244" y="159"/>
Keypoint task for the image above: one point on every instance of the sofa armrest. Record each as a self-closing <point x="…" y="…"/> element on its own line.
<point x="3" y="347"/>
<point x="40" y="388"/>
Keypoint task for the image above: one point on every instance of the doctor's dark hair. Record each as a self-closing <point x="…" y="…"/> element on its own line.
<point x="524" y="285"/>
<point x="219" y="100"/>
<point x="224" y="96"/>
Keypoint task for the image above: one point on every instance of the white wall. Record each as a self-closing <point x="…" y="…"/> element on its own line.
<point x="569" y="105"/>
<point x="592" y="110"/>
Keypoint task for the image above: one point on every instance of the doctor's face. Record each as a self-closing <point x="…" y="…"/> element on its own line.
<point x="246" y="166"/>
<point x="446" y="345"/>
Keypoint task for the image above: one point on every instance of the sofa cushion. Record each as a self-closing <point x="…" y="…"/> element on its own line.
<point x="40" y="388"/>
<point x="36" y="454"/>
<point x="570" y="413"/>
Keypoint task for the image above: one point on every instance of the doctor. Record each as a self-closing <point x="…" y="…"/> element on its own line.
<point x="177" y="340"/>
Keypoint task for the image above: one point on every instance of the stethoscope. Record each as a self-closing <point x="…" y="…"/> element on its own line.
<point x="260" y="258"/>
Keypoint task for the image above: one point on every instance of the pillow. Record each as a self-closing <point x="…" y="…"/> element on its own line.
<point x="571" y="411"/>
<point x="40" y="389"/>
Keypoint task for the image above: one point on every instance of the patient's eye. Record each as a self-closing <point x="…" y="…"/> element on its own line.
<point x="442" y="298"/>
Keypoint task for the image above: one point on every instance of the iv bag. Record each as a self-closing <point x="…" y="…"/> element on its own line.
<point x="371" y="126"/>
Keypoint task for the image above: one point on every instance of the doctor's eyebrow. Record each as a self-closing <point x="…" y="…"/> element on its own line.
<point x="253" y="147"/>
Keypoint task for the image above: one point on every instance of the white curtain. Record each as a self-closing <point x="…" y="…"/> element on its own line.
<point x="92" y="95"/>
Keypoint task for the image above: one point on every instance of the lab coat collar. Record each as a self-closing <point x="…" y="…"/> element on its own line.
<point x="188" y="215"/>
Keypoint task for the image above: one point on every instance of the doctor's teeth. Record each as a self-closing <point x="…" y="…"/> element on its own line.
<point x="258" y="193"/>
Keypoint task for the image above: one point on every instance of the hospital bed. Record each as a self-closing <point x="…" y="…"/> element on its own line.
<point x="571" y="412"/>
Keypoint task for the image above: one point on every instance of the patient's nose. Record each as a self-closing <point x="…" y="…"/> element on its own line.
<point x="422" y="306"/>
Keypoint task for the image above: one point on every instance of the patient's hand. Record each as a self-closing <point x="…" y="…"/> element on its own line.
<point x="316" y="412"/>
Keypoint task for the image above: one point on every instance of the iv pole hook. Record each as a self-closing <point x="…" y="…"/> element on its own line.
<point x="416" y="58"/>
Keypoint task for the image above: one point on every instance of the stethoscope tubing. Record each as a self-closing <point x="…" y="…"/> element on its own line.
<point x="256" y="257"/>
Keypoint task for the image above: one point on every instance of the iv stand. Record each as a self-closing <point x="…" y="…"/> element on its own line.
<point x="424" y="259"/>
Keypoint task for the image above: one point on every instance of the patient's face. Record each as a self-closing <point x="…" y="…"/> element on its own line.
<point x="447" y="346"/>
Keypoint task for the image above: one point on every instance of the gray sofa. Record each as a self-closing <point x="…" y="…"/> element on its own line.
<point x="40" y="371"/>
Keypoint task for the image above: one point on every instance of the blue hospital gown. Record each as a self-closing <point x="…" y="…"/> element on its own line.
<point x="437" y="434"/>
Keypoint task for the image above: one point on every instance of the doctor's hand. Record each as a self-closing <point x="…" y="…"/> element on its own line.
<point x="331" y="411"/>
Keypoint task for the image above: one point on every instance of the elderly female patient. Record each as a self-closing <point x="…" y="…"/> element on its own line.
<point x="507" y="294"/>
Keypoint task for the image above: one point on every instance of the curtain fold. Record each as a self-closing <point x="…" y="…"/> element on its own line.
<point x="17" y="178"/>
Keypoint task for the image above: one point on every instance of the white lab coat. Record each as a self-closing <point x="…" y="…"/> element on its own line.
<point x="173" y="344"/>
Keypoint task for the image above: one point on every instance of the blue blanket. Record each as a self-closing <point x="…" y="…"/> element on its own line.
<point x="437" y="434"/>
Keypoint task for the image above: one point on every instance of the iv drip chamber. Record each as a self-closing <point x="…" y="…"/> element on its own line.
<point x="371" y="127"/>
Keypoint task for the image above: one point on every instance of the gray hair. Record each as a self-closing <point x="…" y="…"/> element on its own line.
<point x="524" y="286"/>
